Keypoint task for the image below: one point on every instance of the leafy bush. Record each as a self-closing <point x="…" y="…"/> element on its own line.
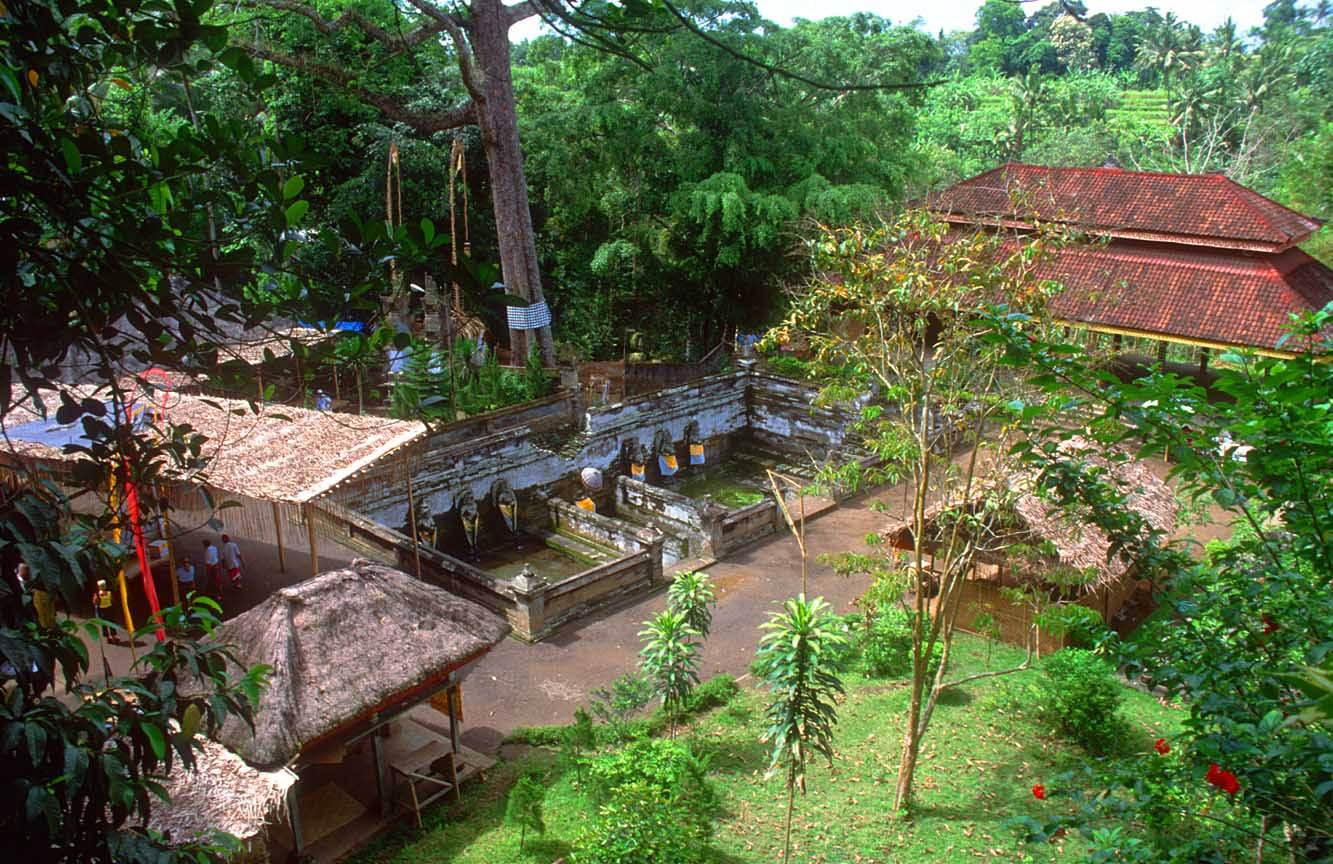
<point x="663" y="767"/>
<point x="524" y="807"/>
<point x="887" y="646"/>
<point x="641" y="825"/>
<point x="615" y="705"/>
<point x="713" y="693"/>
<point x="1081" y="696"/>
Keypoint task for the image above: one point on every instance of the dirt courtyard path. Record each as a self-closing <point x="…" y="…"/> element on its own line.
<point x="528" y="685"/>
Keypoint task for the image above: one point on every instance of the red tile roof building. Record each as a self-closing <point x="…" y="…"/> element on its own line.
<point x="1197" y="259"/>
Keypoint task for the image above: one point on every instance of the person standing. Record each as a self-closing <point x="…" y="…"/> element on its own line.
<point x="231" y="559"/>
<point x="102" y="600"/>
<point x="185" y="577"/>
<point x="212" y="570"/>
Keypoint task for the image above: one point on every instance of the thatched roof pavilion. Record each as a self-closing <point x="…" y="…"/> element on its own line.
<point x="1032" y="519"/>
<point x="221" y="793"/>
<point x="344" y="647"/>
<point x="277" y="453"/>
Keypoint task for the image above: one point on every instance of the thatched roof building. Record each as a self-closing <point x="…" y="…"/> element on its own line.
<point x="1030" y="519"/>
<point x="281" y="453"/>
<point x="343" y="646"/>
<point x="221" y="793"/>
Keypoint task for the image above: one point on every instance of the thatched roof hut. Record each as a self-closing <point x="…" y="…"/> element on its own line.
<point x="221" y="793"/>
<point x="1031" y="519"/>
<point x="278" y="453"/>
<point x="343" y="646"/>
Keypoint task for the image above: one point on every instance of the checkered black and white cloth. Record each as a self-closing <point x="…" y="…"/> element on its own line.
<point x="533" y="317"/>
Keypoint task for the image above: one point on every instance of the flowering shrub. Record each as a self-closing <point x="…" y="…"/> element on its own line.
<point x="1243" y="628"/>
<point x="1224" y="780"/>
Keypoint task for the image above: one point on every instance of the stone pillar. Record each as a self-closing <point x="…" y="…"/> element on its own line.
<point x="529" y="593"/>
<point x="569" y="380"/>
<point x="653" y="539"/>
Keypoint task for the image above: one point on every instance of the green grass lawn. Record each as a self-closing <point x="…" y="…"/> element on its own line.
<point x="985" y="750"/>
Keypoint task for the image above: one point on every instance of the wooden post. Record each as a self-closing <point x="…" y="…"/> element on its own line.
<point x="294" y="814"/>
<point x="1161" y="353"/>
<point x="171" y="559"/>
<point x="309" y="510"/>
<point x="1203" y="360"/>
<point x="452" y="692"/>
<point x="377" y="756"/>
<point x="277" y="527"/>
<point x="412" y="516"/>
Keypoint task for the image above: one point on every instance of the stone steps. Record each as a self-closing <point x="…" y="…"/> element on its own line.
<point x="581" y="548"/>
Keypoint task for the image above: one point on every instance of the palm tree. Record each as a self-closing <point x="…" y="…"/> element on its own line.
<point x="670" y="659"/>
<point x="690" y="595"/>
<point x="1169" y="50"/>
<point x="798" y="657"/>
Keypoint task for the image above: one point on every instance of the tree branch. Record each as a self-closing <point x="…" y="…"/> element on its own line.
<point x="474" y="79"/>
<point x="359" y="21"/>
<point x="519" y="11"/>
<point x="425" y="122"/>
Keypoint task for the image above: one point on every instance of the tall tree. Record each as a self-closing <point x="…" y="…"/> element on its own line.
<point x="905" y="304"/>
<point x="479" y="34"/>
<point x="797" y="659"/>
<point x="723" y="36"/>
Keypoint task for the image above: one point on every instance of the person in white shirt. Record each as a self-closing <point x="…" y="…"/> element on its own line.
<point x="212" y="569"/>
<point x="185" y="575"/>
<point x="231" y="559"/>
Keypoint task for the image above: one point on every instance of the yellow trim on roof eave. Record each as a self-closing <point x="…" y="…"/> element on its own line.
<point x="1180" y="340"/>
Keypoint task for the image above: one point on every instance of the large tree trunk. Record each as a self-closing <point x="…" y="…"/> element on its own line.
<point x="488" y="33"/>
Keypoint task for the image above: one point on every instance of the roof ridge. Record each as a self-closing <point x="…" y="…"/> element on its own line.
<point x="1247" y="195"/>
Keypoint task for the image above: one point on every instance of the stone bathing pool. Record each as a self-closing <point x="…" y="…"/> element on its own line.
<point x="551" y="556"/>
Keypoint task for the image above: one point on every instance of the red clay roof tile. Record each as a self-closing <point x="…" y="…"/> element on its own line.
<point x="1192" y="294"/>
<point x="1190" y="209"/>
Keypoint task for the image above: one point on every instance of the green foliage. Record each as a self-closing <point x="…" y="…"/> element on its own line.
<point x="627" y="696"/>
<point x="689" y="595"/>
<point x="615" y="707"/>
<point x="575" y="739"/>
<point x="666" y="768"/>
<point x="428" y="389"/>
<point x="670" y="190"/>
<point x="135" y="228"/>
<point x="887" y="648"/>
<point x="1081" y="696"/>
<point x="641" y="825"/>
<point x="797" y="659"/>
<point x="670" y="660"/>
<point x="713" y="693"/>
<point x="524" y="807"/>
<point x="1240" y="625"/>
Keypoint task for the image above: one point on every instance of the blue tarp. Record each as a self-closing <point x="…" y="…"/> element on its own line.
<point x="60" y="435"/>
<point x="346" y="326"/>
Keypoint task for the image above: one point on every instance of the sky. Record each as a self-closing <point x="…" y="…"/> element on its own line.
<point x="961" y="14"/>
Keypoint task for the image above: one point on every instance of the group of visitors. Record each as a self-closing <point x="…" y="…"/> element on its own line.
<point x="217" y="560"/>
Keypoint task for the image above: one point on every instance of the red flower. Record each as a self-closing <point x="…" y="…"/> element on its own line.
<point x="1039" y="792"/>
<point x="1270" y="626"/>
<point x="1224" y="780"/>
<point x="1161" y="746"/>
